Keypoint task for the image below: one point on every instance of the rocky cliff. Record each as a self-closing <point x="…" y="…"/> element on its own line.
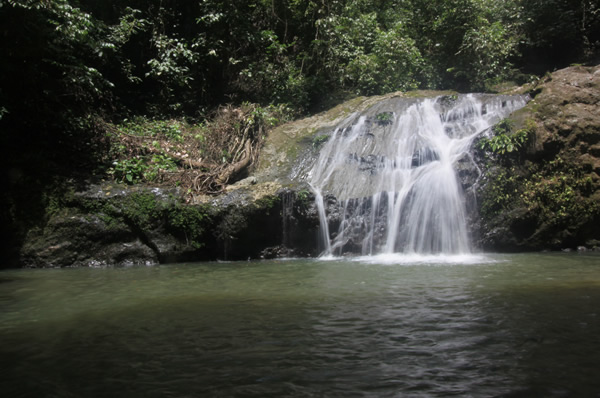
<point x="543" y="196"/>
<point x="546" y="195"/>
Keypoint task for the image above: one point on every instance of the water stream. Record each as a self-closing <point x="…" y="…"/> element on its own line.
<point x="394" y="174"/>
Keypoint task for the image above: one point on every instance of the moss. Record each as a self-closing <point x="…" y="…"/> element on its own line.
<point x="345" y="109"/>
<point x="500" y="192"/>
<point x="556" y="197"/>
<point x="560" y="194"/>
<point x="144" y="211"/>
<point x="142" y="208"/>
<point x="57" y="199"/>
<point x="267" y="202"/>
<point x="189" y="221"/>
<point x="428" y="93"/>
<point x="234" y="221"/>
<point x="291" y="152"/>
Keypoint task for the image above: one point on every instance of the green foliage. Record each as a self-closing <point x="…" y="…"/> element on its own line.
<point x="129" y="171"/>
<point x="365" y="56"/>
<point x="190" y="221"/>
<point x="145" y="211"/>
<point x="487" y="48"/>
<point x="319" y="140"/>
<point x="165" y="58"/>
<point x="131" y="166"/>
<point x="171" y="67"/>
<point x="303" y="195"/>
<point x="177" y="57"/>
<point x="558" y="193"/>
<point x="142" y="127"/>
<point x="267" y="202"/>
<point x="197" y="157"/>
<point x="394" y="64"/>
<point x="303" y="199"/>
<point x="274" y="78"/>
<point x="384" y="118"/>
<point x="159" y="163"/>
<point x="271" y="115"/>
<point x="501" y="190"/>
<point x="555" y="195"/>
<point x="142" y="209"/>
<point x="559" y="32"/>
<point x="504" y="141"/>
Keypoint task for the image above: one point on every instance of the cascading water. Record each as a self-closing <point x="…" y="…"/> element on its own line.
<point x="393" y="175"/>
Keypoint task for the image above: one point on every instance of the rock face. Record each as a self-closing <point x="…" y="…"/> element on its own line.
<point x="547" y="196"/>
<point x="263" y="216"/>
<point x="117" y="225"/>
<point x="105" y="225"/>
<point x="78" y="239"/>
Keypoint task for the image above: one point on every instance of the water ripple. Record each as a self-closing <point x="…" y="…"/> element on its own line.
<point x="305" y="329"/>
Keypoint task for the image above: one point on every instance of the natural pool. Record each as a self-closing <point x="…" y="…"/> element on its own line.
<point x="522" y="325"/>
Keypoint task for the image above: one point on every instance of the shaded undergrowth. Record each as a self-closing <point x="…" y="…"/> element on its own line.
<point x="201" y="158"/>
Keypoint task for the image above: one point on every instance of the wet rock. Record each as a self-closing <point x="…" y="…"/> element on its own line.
<point x="556" y="180"/>
<point x="279" y="251"/>
<point x="272" y="214"/>
<point x="246" y="181"/>
<point x="424" y="156"/>
<point x="76" y="239"/>
<point x="116" y="225"/>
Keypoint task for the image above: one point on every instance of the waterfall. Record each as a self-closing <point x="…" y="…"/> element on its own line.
<point x="393" y="174"/>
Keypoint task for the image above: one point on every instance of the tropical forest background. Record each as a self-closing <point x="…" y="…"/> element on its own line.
<point x="182" y="92"/>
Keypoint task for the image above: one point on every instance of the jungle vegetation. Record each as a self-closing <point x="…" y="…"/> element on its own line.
<point x="183" y="92"/>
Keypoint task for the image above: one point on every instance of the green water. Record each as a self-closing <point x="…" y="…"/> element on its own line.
<point x="524" y="325"/>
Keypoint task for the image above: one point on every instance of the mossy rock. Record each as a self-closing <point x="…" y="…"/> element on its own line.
<point x="553" y="201"/>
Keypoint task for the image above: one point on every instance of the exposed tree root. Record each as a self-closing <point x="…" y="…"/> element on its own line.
<point x="202" y="159"/>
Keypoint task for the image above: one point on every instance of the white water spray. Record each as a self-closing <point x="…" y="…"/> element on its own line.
<point x="394" y="176"/>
